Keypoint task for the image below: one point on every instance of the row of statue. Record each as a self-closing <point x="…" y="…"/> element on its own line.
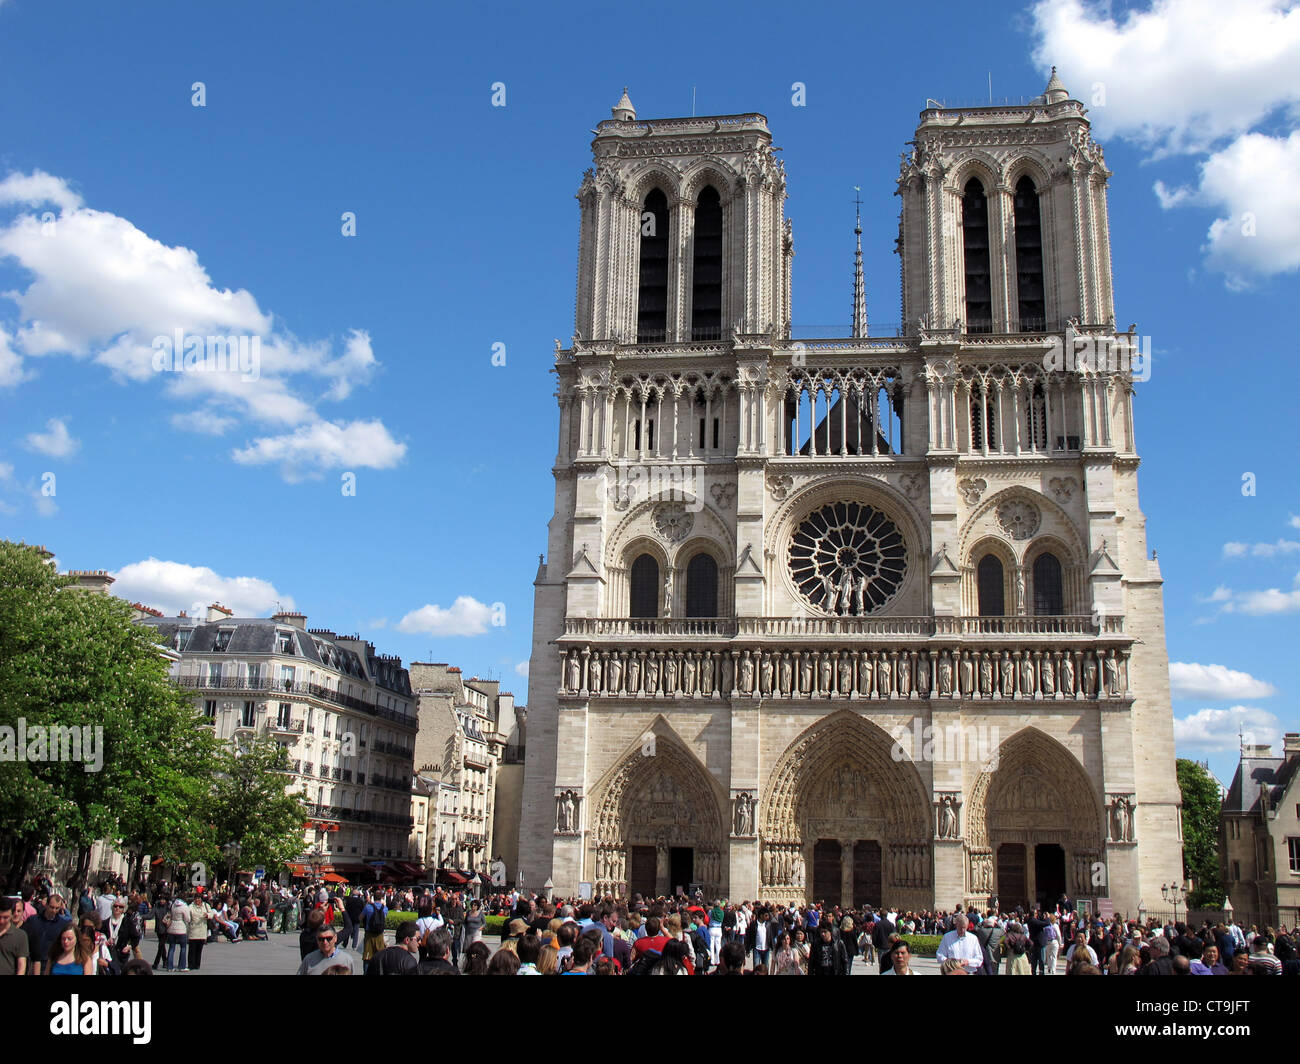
<point x="909" y="865"/>
<point x="1029" y="673"/>
<point x="566" y="813"/>
<point x="782" y="865"/>
<point x="742" y="817"/>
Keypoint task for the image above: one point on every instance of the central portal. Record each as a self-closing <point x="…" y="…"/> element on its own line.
<point x="867" y="885"/>
<point x="681" y="868"/>
<point x="826" y="871"/>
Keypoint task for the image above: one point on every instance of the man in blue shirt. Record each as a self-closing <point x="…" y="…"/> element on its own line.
<point x="373" y="918"/>
<point x="42" y="929"/>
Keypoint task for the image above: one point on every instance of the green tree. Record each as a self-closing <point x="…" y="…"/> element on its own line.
<point x="1201" y="807"/>
<point x="248" y="805"/>
<point x="71" y="659"/>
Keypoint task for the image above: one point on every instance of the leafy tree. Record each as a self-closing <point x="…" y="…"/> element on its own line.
<point x="72" y="659"/>
<point x="248" y="805"/>
<point x="1201" y="805"/>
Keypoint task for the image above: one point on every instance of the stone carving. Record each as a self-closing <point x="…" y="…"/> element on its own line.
<point x="913" y="485"/>
<point x="573" y="672"/>
<point x="670" y="675"/>
<point x="966" y="675"/>
<point x="986" y="675"/>
<point x="1121" y="818"/>
<point x="981" y="873"/>
<point x="1018" y="518"/>
<point x="1111" y="667"/>
<point x="652" y="674"/>
<point x="945" y="675"/>
<point x="593" y="673"/>
<point x="1062" y="488"/>
<point x="971" y="488"/>
<point x="746" y="674"/>
<point x="847" y="559"/>
<point x="615" y="674"/>
<point x="743" y="814"/>
<point x="672" y="521"/>
<point x="845" y="674"/>
<point x="724" y="495"/>
<point x="948" y="806"/>
<point x="634" y="674"/>
<point x="786" y="679"/>
<point x="566" y="813"/>
<point x="1067" y="674"/>
<point x="688" y="675"/>
<point x="779" y="485"/>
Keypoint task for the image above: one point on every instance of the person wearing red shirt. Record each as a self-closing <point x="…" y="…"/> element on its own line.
<point x="653" y="942"/>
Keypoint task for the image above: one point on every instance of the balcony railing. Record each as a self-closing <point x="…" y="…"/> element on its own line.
<point x="298" y="687"/>
<point x="677" y="629"/>
<point x="288" y="726"/>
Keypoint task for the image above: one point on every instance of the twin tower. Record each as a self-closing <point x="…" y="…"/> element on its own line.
<point x="858" y="619"/>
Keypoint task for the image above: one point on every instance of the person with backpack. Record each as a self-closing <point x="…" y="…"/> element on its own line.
<point x="374" y="918"/>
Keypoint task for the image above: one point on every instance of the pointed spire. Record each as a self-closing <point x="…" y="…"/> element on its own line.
<point x="859" y="285"/>
<point x="1055" y="91"/>
<point x="623" y="111"/>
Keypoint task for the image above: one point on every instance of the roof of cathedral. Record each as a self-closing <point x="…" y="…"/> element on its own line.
<point x="624" y="109"/>
<point x="1055" y="91"/>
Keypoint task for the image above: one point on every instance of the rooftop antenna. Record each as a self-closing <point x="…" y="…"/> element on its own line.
<point x="859" y="285"/>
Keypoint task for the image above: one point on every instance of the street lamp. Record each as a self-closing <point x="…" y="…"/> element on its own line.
<point x="231" y="850"/>
<point x="1174" y="893"/>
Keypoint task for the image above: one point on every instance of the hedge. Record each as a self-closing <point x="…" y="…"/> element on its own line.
<point x="392" y="922"/>
<point x="923" y="945"/>
<point x="496" y="925"/>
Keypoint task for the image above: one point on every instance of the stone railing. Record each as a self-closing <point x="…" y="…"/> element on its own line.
<point x="938" y="669"/>
<point x="821" y="628"/>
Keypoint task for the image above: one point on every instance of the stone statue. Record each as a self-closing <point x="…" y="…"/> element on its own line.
<point x="787" y="673"/>
<point x="634" y="674"/>
<point x="846" y="674"/>
<point x="923" y="674"/>
<point x="1111" y="665"/>
<point x="1027" y="686"/>
<point x="574" y="671"/>
<point x="767" y="867"/>
<point x="945" y="675"/>
<point x="859" y="595"/>
<point x="866" y="674"/>
<point x="668" y="595"/>
<point x="966" y="674"/>
<point x="728" y="674"/>
<point x="798" y="870"/>
<point x="688" y="675"/>
<point x="986" y="674"/>
<point x="746" y="674"/>
<point x="829" y="593"/>
<point x="948" y="818"/>
<point x="593" y="674"/>
<point x="706" y="673"/>
<point x="1008" y="676"/>
<point x="806" y="674"/>
<point x="615" y="674"/>
<point x="1067" y="673"/>
<point x="567" y="819"/>
<point x="824" y="674"/>
<point x="765" y="674"/>
<point x="1089" y="675"/>
<point x="1049" y="676"/>
<point x="670" y="675"/>
<point x="652" y="674"/>
<point x="1123" y="820"/>
<point x="884" y="677"/>
<point x="905" y="676"/>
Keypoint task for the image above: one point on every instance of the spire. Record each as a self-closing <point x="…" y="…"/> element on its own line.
<point x="859" y="285"/>
<point x="623" y="110"/>
<point x="1055" y="91"/>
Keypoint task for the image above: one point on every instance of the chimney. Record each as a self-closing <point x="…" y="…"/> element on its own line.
<point x="218" y="612"/>
<point x="96" y="580"/>
<point x="1256" y="750"/>
<point x="1291" y="744"/>
<point x="297" y="620"/>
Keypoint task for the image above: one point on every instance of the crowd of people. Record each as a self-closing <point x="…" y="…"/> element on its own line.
<point x="390" y="930"/>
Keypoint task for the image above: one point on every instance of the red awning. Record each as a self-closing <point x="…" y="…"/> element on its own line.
<point x="333" y="877"/>
<point x="409" y="868"/>
<point x="457" y="878"/>
<point x="298" y="871"/>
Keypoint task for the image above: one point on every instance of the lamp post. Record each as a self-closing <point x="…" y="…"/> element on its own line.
<point x="1173" y="893"/>
<point x="231" y="850"/>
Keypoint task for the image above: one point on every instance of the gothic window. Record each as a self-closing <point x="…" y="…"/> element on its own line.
<point x="1036" y="420"/>
<point x="975" y="246"/>
<point x="992" y="592"/>
<point x="706" y="289"/>
<point x="702" y="587"/>
<point x="1029" y="257"/>
<point x="652" y="296"/>
<point x="983" y="421"/>
<point x="847" y="558"/>
<point x="645" y="587"/>
<point x="1048" y="596"/>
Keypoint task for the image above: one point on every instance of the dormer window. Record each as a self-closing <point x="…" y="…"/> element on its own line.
<point x="284" y="642"/>
<point x="223" y="639"/>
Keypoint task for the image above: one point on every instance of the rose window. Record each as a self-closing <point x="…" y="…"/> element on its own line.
<point x="847" y="558"/>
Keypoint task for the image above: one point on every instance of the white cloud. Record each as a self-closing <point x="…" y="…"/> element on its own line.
<point x="56" y="443"/>
<point x="1177" y="75"/>
<point x="101" y="290"/>
<point x="175" y="586"/>
<point x="1216" y="682"/>
<point x="1221" y="731"/>
<point x="1153" y="78"/>
<point x="1257" y="603"/>
<point x="324" y="445"/>
<point x="1261" y="550"/>
<point x="207" y="422"/>
<point x="1294" y="521"/>
<point x="522" y="669"/>
<point x="466" y="616"/>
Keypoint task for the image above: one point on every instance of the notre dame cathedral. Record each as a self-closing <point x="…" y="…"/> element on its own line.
<point x="864" y="618"/>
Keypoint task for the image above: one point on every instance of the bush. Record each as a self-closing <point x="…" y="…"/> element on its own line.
<point x="923" y="945"/>
<point x="496" y="925"/>
<point x="394" y="920"/>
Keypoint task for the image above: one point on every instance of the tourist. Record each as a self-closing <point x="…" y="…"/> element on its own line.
<point x="900" y="959"/>
<point x="1016" y="950"/>
<point x="70" y="953"/>
<point x="327" y="955"/>
<point x="961" y="945"/>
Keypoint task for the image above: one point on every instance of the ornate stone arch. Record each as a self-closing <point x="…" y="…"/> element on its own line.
<point x="871" y="491"/>
<point x="970" y="559"/>
<point x="1033" y="790"/>
<point x="1073" y="575"/>
<point x="657" y="173"/>
<point x="640" y="802"/>
<point x="703" y="542"/>
<point x="975" y="163"/>
<point x="708" y="172"/>
<point x="1030" y="163"/>
<point x="1052" y="521"/>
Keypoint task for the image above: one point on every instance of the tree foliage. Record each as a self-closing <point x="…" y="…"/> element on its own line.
<point x="1201" y="806"/>
<point x="249" y="805"/>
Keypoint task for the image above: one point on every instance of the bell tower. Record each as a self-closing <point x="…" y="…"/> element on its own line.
<point x="1003" y="227"/>
<point x="682" y="237"/>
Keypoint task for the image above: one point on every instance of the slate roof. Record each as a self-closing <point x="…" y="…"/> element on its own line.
<point x="1257" y="776"/>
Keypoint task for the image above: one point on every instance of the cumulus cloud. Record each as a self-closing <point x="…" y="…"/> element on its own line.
<point x="207" y="422"/>
<point x="522" y="669"/>
<point x="1221" y="731"/>
<point x="1257" y="603"/>
<point x="323" y="445"/>
<point x="103" y="291"/>
<point x="175" y="586"/>
<point x="466" y="616"/>
<point x="1216" y="682"/>
<point x="1149" y="77"/>
<point x="1261" y="550"/>
<point x="57" y="442"/>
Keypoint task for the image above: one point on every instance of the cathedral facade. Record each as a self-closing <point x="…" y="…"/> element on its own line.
<point x="857" y="619"/>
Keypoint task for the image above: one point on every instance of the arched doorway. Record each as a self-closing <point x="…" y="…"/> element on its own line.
<point x="641" y="841"/>
<point x="1034" y="827"/>
<point x="843" y="822"/>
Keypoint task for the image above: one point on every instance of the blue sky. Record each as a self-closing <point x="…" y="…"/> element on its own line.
<point x="126" y="211"/>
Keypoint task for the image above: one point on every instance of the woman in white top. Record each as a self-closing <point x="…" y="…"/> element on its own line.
<point x="1051" y="944"/>
<point x="1080" y="953"/>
